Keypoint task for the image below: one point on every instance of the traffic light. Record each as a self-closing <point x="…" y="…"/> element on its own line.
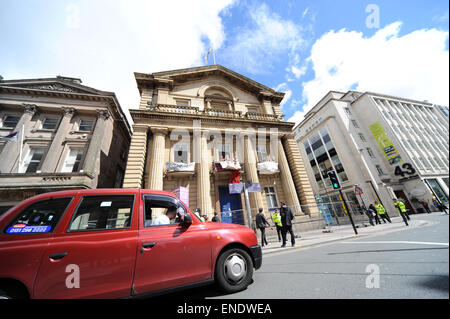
<point x="334" y="180"/>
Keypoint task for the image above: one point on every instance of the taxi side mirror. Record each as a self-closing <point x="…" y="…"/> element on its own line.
<point x="187" y="221"/>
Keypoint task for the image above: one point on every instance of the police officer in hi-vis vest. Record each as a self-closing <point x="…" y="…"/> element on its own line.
<point x="276" y="218"/>
<point x="381" y="211"/>
<point x="402" y="210"/>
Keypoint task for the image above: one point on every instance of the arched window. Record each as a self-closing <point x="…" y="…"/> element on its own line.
<point x="219" y="98"/>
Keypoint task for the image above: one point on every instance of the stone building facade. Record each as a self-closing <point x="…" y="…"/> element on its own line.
<point x="73" y="136"/>
<point x="391" y="147"/>
<point x="196" y="128"/>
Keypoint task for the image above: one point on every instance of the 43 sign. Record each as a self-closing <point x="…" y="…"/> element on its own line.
<point x="405" y="169"/>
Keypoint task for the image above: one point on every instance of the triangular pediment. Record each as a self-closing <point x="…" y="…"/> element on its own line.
<point x="54" y="85"/>
<point x="173" y="77"/>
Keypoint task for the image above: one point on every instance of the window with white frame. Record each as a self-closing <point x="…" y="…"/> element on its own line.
<point x="361" y="137"/>
<point x="355" y="124"/>
<point x="261" y="151"/>
<point x="73" y="161"/>
<point x="271" y="197"/>
<point x="347" y="110"/>
<point x="252" y="109"/>
<point x="182" y="102"/>
<point x="379" y="169"/>
<point x="86" y="125"/>
<point x="225" y="153"/>
<point x="32" y="160"/>
<point x="10" y="121"/>
<point x="370" y="152"/>
<point x="49" y="123"/>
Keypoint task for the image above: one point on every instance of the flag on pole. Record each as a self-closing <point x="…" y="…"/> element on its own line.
<point x="11" y="137"/>
<point x="207" y="55"/>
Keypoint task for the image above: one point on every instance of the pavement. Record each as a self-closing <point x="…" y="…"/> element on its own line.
<point x="336" y="233"/>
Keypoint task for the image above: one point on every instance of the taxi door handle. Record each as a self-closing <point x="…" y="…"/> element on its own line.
<point x="57" y="256"/>
<point x="149" y="245"/>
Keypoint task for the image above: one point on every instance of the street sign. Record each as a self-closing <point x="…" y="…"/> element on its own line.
<point x="358" y="190"/>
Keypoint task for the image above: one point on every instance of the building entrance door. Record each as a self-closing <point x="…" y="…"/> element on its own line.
<point x="230" y="206"/>
<point x="401" y="194"/>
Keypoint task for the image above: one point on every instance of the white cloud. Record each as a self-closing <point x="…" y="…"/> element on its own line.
<point x="283" y="87"/>
<point x="103" y="42"/>
<point x="414" y="65"/>
<point x="267" y="38"/>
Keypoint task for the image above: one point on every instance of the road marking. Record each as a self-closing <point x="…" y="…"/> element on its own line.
<point x="396" y="242"/>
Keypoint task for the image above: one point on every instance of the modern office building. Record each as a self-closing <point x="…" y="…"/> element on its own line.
<point x="390" y="147"/>
<point x="69" y="136"/>
<point x="187" y="134"/>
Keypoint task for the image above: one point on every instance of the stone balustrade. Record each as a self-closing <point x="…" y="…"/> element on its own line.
<point x="216" y="113"/>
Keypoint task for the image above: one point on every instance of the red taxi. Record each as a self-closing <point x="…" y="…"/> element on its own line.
<point x="118" y="243"/>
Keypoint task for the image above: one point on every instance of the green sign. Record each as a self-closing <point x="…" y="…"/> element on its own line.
<point x="385" y="143"/>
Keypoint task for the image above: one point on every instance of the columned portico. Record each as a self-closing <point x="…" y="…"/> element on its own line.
<point x="50" y="161"/>
<point x="304" y="189"/>
<point x="136" y="158"/>
<point x="287" y="181"/>
<point x="10" y="155"/>
<point x="92" y="159"/>
<point x="252" y="172"/>
<point x="156" y="170"/>
<point x="212" y="101"/>
<point x="203" y="176"/>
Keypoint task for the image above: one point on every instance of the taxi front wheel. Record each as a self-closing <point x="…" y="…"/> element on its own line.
<point x="234" y="270"/>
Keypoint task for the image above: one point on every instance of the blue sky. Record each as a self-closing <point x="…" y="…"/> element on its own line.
<point x="303" y="48"/>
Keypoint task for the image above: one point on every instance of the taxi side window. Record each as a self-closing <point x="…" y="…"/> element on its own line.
<point x="39" y="217"/>
<point x="162" y="210"/>
<point x="103" y="212"/>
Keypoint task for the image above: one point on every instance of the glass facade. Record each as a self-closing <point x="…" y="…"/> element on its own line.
<point x="322" y="157"/>
<point x="437" y="190"/>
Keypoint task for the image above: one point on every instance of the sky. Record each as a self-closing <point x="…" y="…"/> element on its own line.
<point x="302" y="48"/>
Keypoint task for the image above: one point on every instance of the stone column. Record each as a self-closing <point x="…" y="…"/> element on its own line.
<point x="290" y="193"/>
<point x="51" y="161"/>
<point x="251" y="172"/>
<point x="304" y="189"/>
<point x="10" y="154"/>
<point x="134" y="172"/>
<point x="92" y="158"/>
<point x="203" y="177"/>
<point x="156" y="168"/>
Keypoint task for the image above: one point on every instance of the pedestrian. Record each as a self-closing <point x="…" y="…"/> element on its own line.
<point x="436" y="204"/>
<point x="276" y="218"/>
<point x="215" y="218"/>
<point x="197" y="213"/>
<point x="370" y="215"/>
<point x="261" y="223"/>
<point x="373" y="211"/>
<point x="425" y="206"/>
<point x="381" y="211"/>
<point x="286" y="221"/>
<point x="402" y="210"/>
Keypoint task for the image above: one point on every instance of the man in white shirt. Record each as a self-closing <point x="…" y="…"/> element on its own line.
<point x="164" y="219"/>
